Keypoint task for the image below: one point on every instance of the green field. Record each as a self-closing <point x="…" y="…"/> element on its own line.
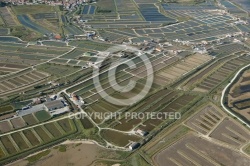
<point x="118" y="138"/>
<point x="62" y="148"/>
<point x="65" y="124"/>
<point x="1" y="153"/>
<point x="57" y="69"/>
<point x="42" y="116"/>
<point x="1" y="21"/>
<point x="86" y="123"/>
<point x="19" y="141"/>
<point x="77" y="76"/>
<point x="53" y="130"/>
<point x="6" y="108"/>
<point x="185" y="1"/>
<point x="32" y="9"/>
<point x="166" y="140"/>
<point x="38" y="156"/>
<point x="74" y="54"/>
<point x="42" y="134"/>
<point x="31" y="137"/>
<point x="8" y="145"/>
<point x="247" y="150"/>
<point x="30" y="119"/>
<point x="106" y="6"/>
<point x="54" y="43"/>
<point x="90" y="45"/>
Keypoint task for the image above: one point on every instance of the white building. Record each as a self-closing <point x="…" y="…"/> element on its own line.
<point x="134" y="145"/>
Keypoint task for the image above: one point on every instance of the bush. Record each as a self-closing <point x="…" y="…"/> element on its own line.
<point x="38" y="156"/>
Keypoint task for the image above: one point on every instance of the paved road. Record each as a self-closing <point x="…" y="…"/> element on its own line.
<point x="223" y="96"/>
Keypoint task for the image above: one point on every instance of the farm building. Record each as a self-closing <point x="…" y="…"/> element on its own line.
<point x="53" y="105"/>
<point x="141" y="132"/>
<point x="75" y="97"/>
<point x="134" y="146"/>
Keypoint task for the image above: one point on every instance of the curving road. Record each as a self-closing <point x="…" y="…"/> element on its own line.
<point x="223" y="95"/>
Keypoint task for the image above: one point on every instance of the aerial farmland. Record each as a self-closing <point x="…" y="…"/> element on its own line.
<point x="125" y="82"/>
